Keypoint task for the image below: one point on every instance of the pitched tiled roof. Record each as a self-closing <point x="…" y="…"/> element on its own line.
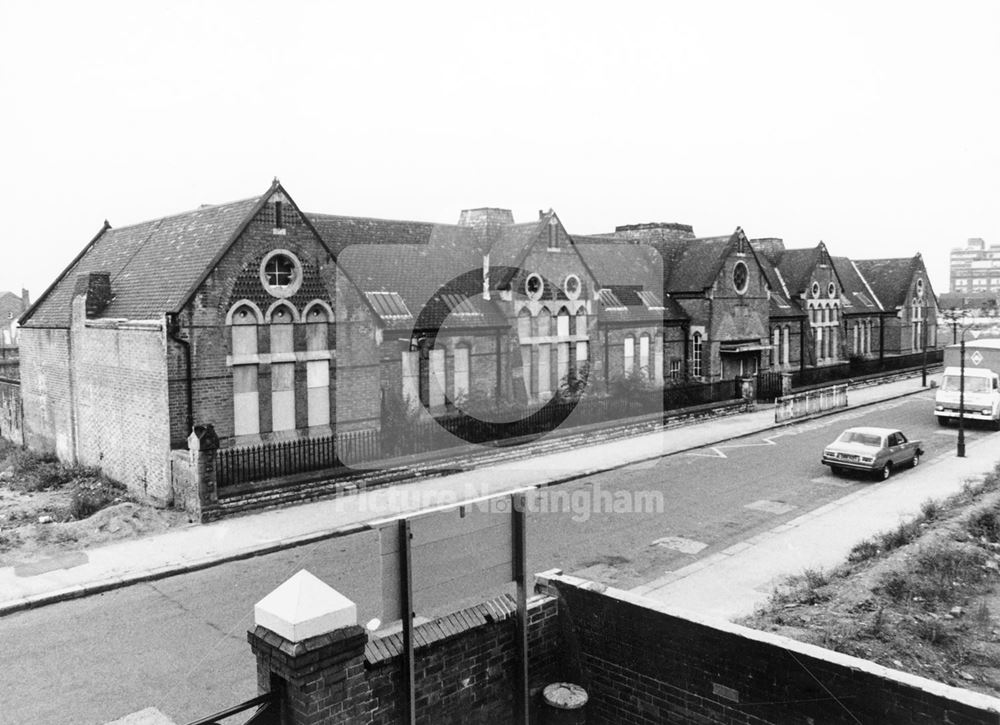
<point x="340" y="232"/>
<point x="857" y="297"/>
<point x="796" y="267"/>
<point x="889" y="278"/>
<point x="624" y="268"/>
<point x="782" y="305"/>
<point x="417" y="273"/>
<point x="153" y="265"/>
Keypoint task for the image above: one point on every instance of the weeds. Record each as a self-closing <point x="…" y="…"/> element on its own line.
<point x="985" y="524"/>
<point x="863" y="551"/>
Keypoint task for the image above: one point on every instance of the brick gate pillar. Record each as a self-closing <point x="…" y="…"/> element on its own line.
<point x="310" y="648"/>
<point x="203" y="443"/>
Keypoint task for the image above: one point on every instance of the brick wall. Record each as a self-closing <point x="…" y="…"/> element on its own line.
<point x="45" y="391"/>
<point x="119" y="381"/>
<point x="465" y="665"/>
<point x="641" y="662"/>
<point x="10" y="412"/>
<point x="354" y="401"/>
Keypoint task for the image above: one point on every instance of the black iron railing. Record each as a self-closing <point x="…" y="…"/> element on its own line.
<point x="336" y="455"/>
<point x="268" y="712"/>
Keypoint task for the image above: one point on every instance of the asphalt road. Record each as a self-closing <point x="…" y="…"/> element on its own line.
<point x="179" y="644"/>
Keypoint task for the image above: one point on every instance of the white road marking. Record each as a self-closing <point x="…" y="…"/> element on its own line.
<point x="770" y="507"/>
<point x="679" y="543"/>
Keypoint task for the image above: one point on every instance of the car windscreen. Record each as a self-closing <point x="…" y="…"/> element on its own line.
<point x="865" y="439"/>
<point x="953" y="384"/>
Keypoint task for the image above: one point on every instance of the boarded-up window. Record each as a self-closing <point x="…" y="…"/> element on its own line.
<point x="524" y="325"/>
<point x="437" y="378"/>
<point x="283" y="396"/>
<point x="281" y="331"/>
<point x="246" y="412"/>
<point x="461" y="372"/>
<point x="562" y="362"/>
<point x="562" y="323"/>
<point x="526" y="369"/>
<point x="316" y="329"/>
<point x="644" y="356"/>
<point x="318" y="386"/>
<point x="544" y="371"/>
<point x="629" y="361"/>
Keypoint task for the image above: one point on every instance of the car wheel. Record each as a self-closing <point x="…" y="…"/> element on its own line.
<point x="942" y="421"/>
<point x="996" y="424"/>
<point x="885" y="471"/>
<point x="916" y="460"/>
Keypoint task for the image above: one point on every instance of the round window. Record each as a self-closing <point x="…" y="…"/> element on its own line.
<point x="815" y="289"/>
<point x="920" y="288"/>
<point x="741" y="277"/>
<point x="533" y="286"/>
<point x="831" y="290"/>
<point x="572" y="286"/>
<point x="281" y="273"/>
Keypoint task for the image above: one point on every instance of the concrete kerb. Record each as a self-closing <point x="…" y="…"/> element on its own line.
<point x="79" y="591"/>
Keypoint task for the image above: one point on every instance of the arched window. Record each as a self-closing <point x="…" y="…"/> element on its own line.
<point x="317" y="371"/>
<point x="544" y="323"/>
<point x="581" y="321"/>
<point x="696" y="359"/>
<point x="244" y="319"/>
<point x="628" y="365"/>
<point x="282" y="372"/>
<point x="524" y="324"/>
<point x="562" y="323"/>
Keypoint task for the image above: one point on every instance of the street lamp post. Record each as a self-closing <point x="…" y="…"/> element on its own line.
<point x="923" y="345"/>
<point x="961" y="399"/>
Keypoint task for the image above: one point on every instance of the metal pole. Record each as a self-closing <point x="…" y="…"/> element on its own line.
<point x="961" y="400"/>
<point x="923" y="341"/>
<point x="519" y="530"/>
<point x="406" y="591"/>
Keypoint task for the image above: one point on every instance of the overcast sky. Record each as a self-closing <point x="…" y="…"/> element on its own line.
<point x="872" y="126"/>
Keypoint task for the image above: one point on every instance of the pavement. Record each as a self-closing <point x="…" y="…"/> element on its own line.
<point x="716" y="584"/>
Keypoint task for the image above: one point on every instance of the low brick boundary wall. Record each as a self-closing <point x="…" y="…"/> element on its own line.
<point x="642" y="662"/>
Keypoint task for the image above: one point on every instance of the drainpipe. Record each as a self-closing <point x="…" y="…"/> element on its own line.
<point x="173" y="329"/>
<point x="802" y="345"/>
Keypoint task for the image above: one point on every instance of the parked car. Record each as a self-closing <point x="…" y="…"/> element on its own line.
<point x="876" y="450"/>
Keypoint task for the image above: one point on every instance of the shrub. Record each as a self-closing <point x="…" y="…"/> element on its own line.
<point x="985" y="524"/>
<point x="900" y="536"/>
<point x="862" y="551"/>
<point x="930" y="509"/>
<point x="895" y="586"/>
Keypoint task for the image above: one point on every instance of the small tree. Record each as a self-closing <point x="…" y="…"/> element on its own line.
<point x="575" y="383"/>
<point x="399" y="422"/>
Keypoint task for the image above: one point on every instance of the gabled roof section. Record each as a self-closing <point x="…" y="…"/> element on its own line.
<point x="781" y="304"/>
<point x="153" y="265"/>
<point x="857" y="296"/>
<point x="890" y="279"/>
<point x="693" y="264"/>
<point x="517" y="240"/>
<point x="797" y="266"/>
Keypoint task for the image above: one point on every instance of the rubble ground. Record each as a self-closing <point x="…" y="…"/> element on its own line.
<point x="47" y="508"/>
<point x="923" y="598"/>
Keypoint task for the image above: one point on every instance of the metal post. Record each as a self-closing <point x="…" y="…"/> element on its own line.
<point x="520" y="556"/>
<point x="406" y="592"/>
<point x="961" y="400"/>
<point x="923" y="344"/>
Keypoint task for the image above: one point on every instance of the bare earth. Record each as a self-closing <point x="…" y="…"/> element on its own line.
<point x="38" y="518"/>
<point x="924" y="599"/>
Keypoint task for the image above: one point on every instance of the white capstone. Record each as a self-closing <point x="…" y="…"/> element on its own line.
<point x="304" y="607"/>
